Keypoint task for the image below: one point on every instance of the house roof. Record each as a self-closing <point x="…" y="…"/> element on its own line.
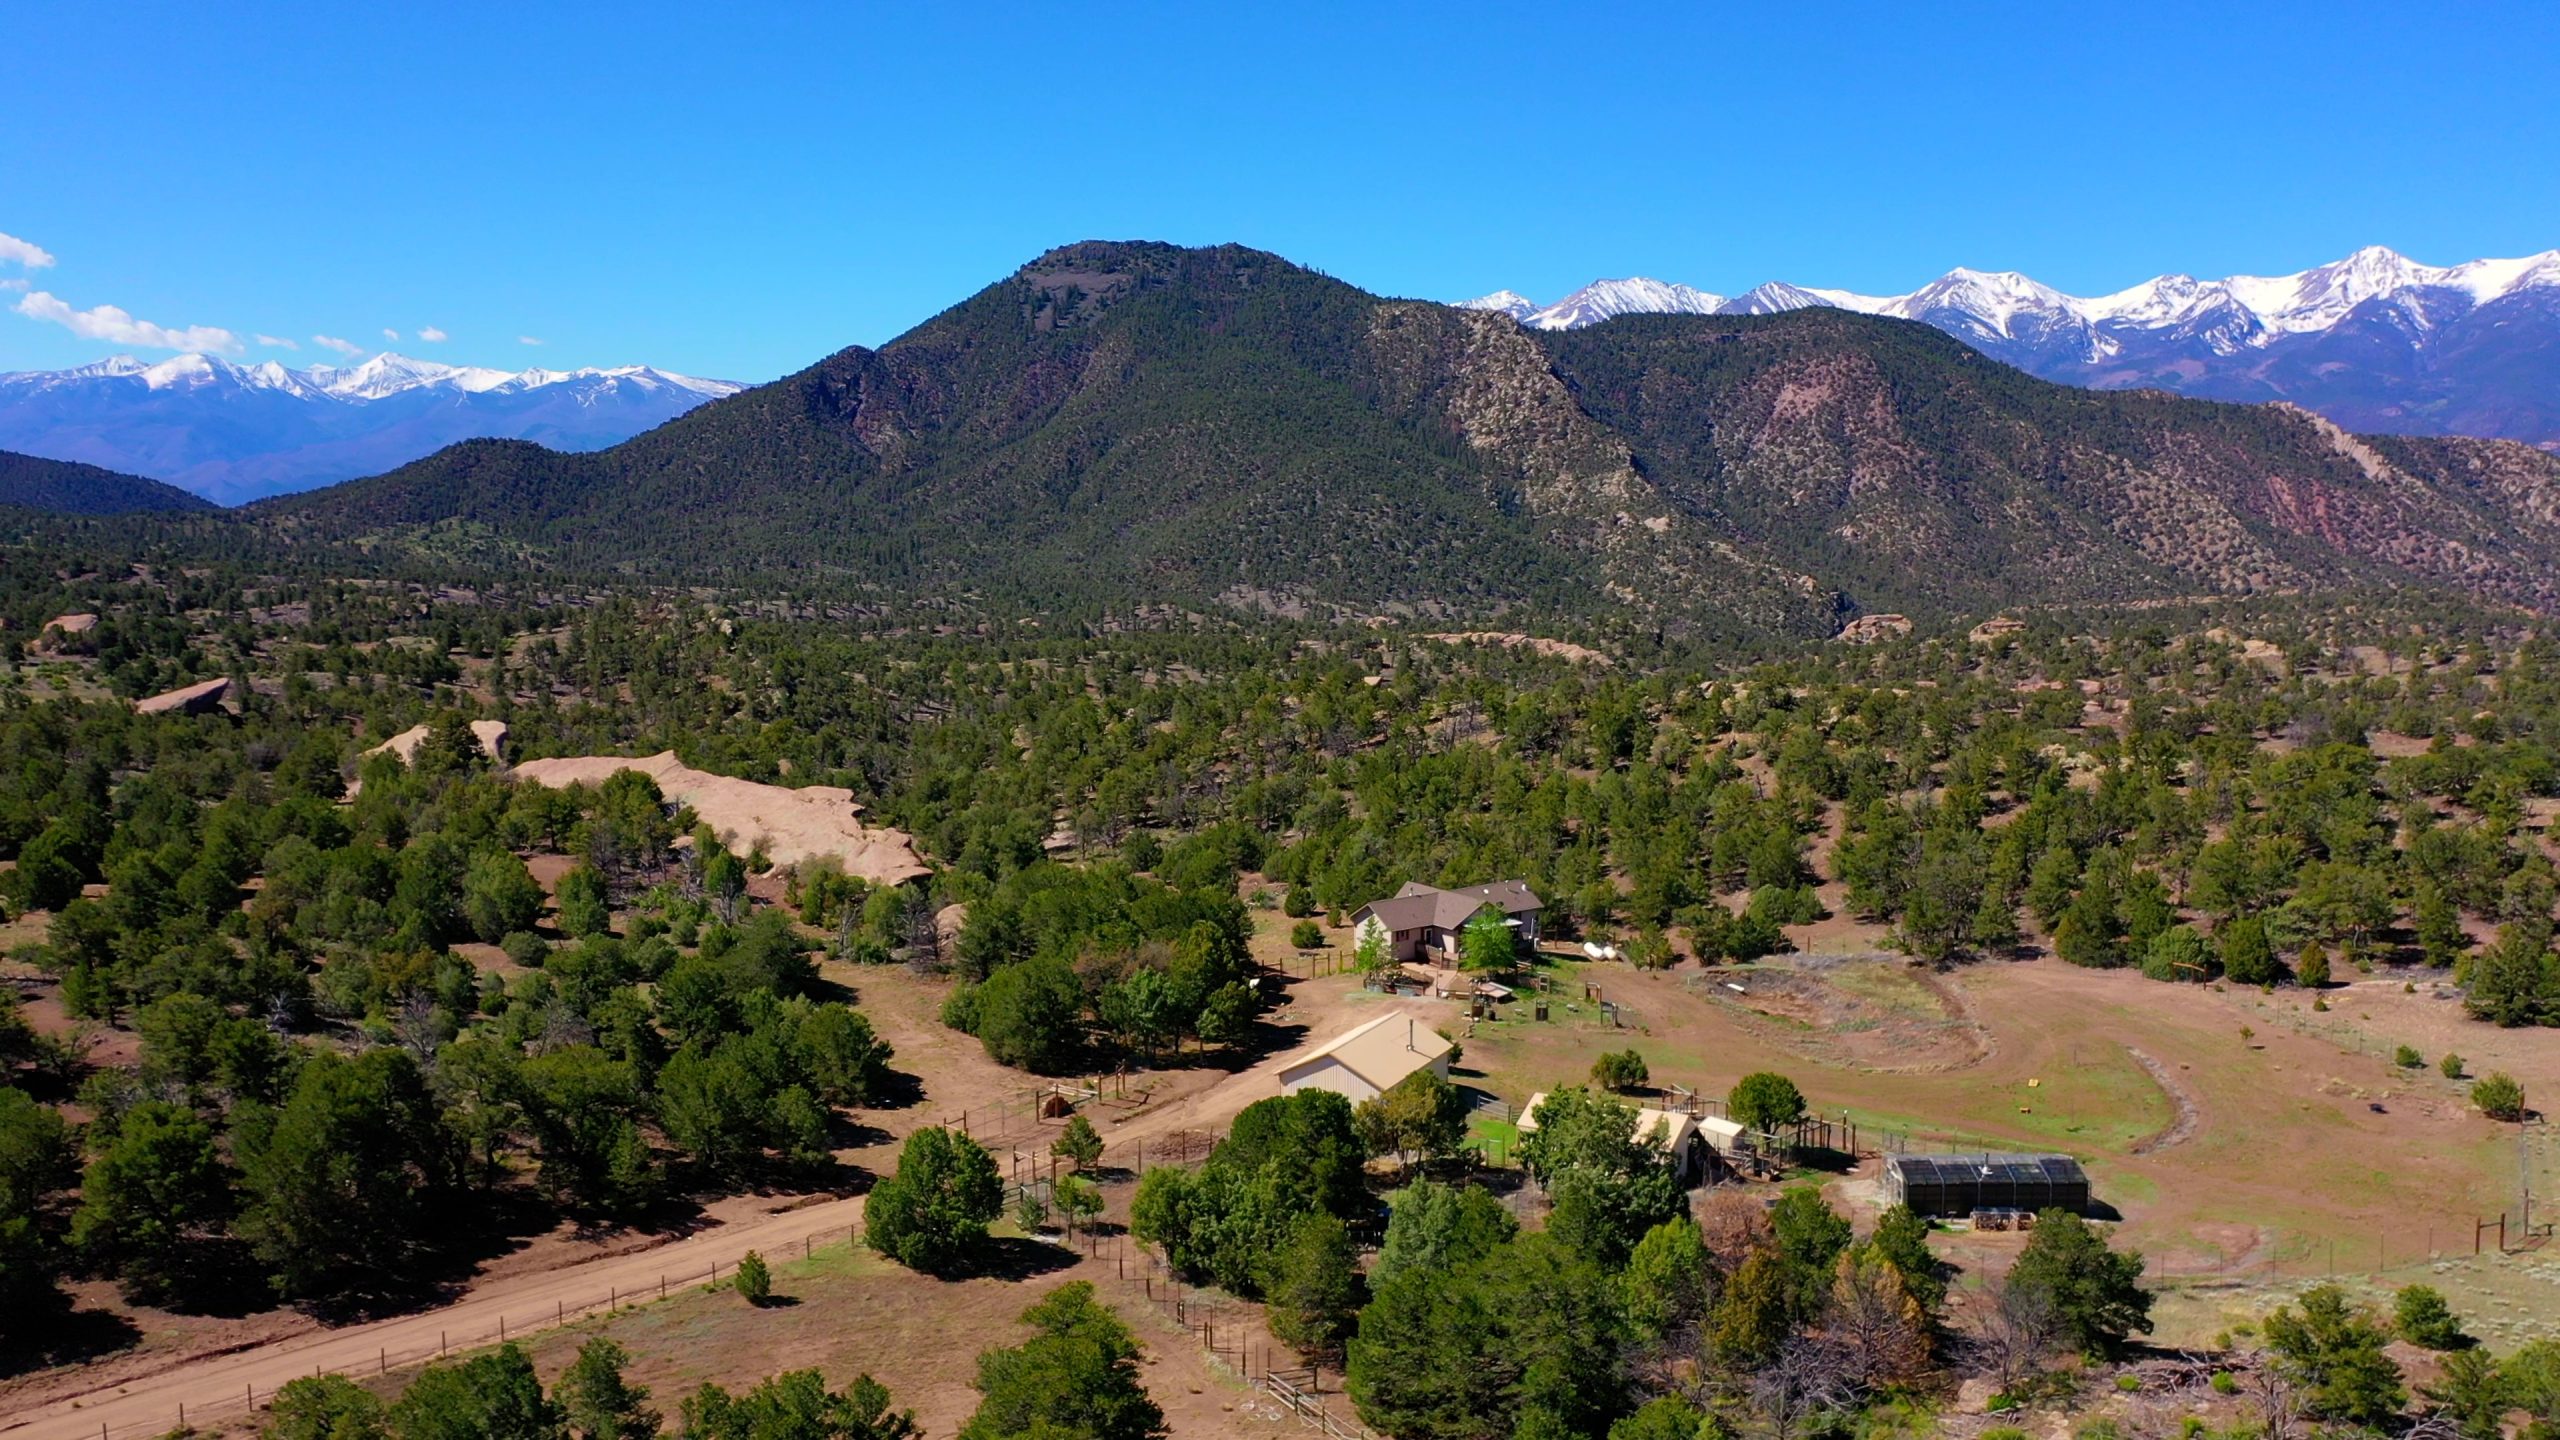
<point x="1418" y="905"/>
<point x="1669" y="1126"/>
<point x="1382" y="1052"/>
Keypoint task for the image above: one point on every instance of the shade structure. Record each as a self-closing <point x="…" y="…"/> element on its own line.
<point x="1958" y="1185"/>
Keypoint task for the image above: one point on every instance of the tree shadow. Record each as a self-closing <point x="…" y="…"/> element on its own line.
<point x="1008" y="1257"/>
<point x="847" y="1133"/>
<point x="898" y="1091"/>
<point x="57" y="1334"/>
<point x="1824" y="1158"/>
<point x="466" y="1230"/>
<point x="1498" y="1181"/>
<point x="836" y="1176"/>
<point x="224" y="1280"/>
<point x="1270" y="1037"/>
<point x="1225" y="1058"/>
<point x="827" y="990"/>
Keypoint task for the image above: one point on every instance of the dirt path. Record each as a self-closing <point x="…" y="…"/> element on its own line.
<point x="520" y="1305"/>
<point x="2187" y="1118"/>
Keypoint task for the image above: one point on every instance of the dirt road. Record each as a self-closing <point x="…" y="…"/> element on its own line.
<point x="219" y="1386"/>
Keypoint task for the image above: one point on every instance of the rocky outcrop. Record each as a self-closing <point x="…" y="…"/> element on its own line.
<point x="203" y="697"/>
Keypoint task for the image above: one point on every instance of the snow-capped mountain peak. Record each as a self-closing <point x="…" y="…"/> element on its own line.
<point x="236" y="432"/>
<point x="1636" y="295"/>
<point x="388" y="374"/>
<point x="1773" y="298"/>
<point x="1509" y="302"/>
<point x="378" y="378"/>
<point x="2374" y="340"/>
<point x="114" y="366"/>
<point x="1991" y="298"/>
<point x="187" y="370"/>
<point x="2241" y="310"/>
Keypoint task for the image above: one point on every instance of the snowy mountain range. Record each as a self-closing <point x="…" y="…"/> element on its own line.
<point x="2376" y="341"/>
<point x="233" y="433"/>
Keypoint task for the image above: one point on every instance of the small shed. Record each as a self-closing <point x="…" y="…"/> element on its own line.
<point x="1958" y="1185"/>
<point x="1727" y="1137"/>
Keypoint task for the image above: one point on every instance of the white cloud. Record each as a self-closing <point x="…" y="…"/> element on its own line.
<point x="528" y="339"/>
<point x="14" y="251"/>
<point x="13" y="284"/>
<point x="431" y="335"/>
<point x="117" y="326"/>
<point x="332" y="342"/>
<point x="390" y="334"/>
<point x="276" y="342"/>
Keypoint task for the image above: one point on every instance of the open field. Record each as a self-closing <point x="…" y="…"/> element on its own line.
<point x="2276" y="1153"/>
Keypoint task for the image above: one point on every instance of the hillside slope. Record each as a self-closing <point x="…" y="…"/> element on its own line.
<point x="1916" y="474"/>
<point x="1126" y="424"/>
<point x="66" y="487"/>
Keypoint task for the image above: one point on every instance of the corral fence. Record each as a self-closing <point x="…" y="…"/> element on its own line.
<point x="1223" y="1328"/>
<point x="1045" y="1109"/>
<point x="515" y="1324"/>
<point x="1296" y="1392"/>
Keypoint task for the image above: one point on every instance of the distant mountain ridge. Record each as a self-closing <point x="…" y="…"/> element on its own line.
<point x="2375" y="341"/>
<point x="235" y="432"/>
<point x="1122" y="427"/>
<point x="66" y="487"/>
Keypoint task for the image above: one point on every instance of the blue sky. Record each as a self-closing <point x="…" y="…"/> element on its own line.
<point x="737" y="190"/>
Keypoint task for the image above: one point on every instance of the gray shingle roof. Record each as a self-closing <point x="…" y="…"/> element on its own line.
<point x="1418" y="905"/>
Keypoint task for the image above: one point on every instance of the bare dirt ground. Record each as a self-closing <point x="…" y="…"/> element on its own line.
<point x="1873" y="1012"/>
<point x="793" y="824"/>
<point x="2420" y="1008"/>
<point x="1561" y="649"/>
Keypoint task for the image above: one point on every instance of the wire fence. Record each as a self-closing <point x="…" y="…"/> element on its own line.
<point x="2383" y="1252"/>
<point x="1228" y="1333"/>
<point x="507" y="1324"/>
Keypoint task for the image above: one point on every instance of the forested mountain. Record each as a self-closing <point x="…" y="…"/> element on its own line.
<point x="1124" y="424"/>
<point x="65" y="487"/>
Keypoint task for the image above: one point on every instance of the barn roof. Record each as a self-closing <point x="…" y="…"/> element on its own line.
<point x="1382" y="1052"/>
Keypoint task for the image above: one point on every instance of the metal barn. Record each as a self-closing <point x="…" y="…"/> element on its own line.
<point x="1959" y="1185"/>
